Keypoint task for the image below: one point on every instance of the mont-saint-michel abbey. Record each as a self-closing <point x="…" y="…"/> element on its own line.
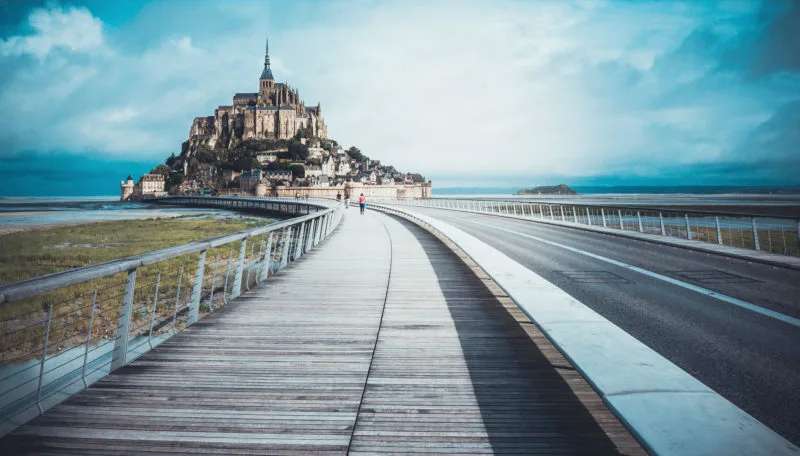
<point x="276" y="111"/>
<point x="270" y="143"/>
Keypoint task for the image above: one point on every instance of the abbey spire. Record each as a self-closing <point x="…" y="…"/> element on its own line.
<point x="267" y="73"/>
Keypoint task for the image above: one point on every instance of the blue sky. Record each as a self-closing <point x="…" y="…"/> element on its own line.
<point x="469" y="93"/>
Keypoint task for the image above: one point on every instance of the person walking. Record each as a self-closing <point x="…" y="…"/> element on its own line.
<point x="362" y="202"/>
<point x="346" y="200"/>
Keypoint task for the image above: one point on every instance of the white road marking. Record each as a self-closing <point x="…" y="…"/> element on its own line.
<point x="688" y="286"/>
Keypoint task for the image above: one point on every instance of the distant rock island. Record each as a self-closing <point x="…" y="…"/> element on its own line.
<point x="560" y="189"/>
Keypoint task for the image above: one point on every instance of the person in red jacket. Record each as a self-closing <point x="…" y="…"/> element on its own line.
<point x="362" y="202"/>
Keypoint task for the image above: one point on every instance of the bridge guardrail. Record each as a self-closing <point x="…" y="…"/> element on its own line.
<point x="779" y="235"/>
<point x="61" y="332"/>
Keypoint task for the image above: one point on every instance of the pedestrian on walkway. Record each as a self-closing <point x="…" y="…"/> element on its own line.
<point x="346" y="200"/>
<point x="362" y="202"/>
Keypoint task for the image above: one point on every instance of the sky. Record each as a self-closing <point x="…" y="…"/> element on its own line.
<point x="468" y="93"/>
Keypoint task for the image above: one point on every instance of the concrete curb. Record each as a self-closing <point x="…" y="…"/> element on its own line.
<point x="640" y="237"/>
<point x="668" y="410"/>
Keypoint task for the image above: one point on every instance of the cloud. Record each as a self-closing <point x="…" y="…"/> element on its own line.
<point x="462" y="93"/>
<point x="74" y="30"/>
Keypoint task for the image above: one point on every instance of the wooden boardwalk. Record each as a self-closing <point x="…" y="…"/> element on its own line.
<point x="382" y="341"/>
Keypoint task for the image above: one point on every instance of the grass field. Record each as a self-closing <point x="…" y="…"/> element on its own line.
<point x="29" y="254"/>
<point x="33" y="253"/>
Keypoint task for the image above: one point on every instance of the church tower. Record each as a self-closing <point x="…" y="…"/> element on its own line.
<point x="266" y="82"/>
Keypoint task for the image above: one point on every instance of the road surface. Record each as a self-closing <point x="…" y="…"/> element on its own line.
<point x="747" y="348"/>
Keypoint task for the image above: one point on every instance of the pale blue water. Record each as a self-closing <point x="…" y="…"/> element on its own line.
<point x="17" y="211"/>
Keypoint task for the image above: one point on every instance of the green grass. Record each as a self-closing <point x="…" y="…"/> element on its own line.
<point x="34" y="253"/>
<point x="29" y="254"/>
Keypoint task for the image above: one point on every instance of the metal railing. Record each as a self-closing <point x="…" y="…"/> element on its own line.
<point x="61" y="332"/>
<point x="773" y="234"/>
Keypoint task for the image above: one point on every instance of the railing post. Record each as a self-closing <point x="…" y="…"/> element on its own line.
<point x="120" y="354"/>
<point x="588" y="216"/>
<point x="561" y="208"/>
<point x="287" y="239"/>
<point x="661" y="220"/>
<point x="552" y="214"/>
<point x="639" y="217"/>
<point x="236" y="290"/>
<point x="152" y="315"/>
<point x="213" y="283"/>
<point x="227" y="276"/>
<point x="249" y="270"/>
<point x="44" y="358"/>
<point x="267" y="259"/>
<point x="603" y="215"/>
<point x="688" y="227"/>
<point x="89" y="337"/>
<point x="298" y="246"/>
<point x="177" y="300"/>
<point x="575" y="214"/>
<point x="197" y="290"/>
<point x="719" y="230"/>
<point x="755" y="233"/>
<point x="621" y="225"/>
<point x="310" y="236"/>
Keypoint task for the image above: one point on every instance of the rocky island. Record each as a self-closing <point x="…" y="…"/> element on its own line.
<point x="269" y="143"/>
<point x="561" y="189"/>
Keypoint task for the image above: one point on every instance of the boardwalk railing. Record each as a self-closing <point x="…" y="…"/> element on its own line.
<point x="773" y="234"/>
<point x="61" y="332"/>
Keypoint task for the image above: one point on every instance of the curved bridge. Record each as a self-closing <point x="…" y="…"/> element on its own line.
<point x="400" y="333"/>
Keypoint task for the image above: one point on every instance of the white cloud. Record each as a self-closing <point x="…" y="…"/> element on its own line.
<point x="443" y="88"/>
<point x="73" y="29"/>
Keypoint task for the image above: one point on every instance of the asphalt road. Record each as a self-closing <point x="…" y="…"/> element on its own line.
<point x="751" y="359"/>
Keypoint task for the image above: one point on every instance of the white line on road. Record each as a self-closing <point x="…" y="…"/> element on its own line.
<point x="688" y="286"/>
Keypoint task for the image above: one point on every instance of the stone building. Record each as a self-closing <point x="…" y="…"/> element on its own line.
<point x="276" y="111"/>
<point x="250" y="179"/>
<point x="126" y="188"/>
<point x="149" y="186"/>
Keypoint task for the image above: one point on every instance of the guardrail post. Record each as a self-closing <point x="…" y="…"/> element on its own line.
<point x="621" y="225"/>
<point x="177" y="299"/>
<point x="227" y="276"/>
<point x="561" y="208"/>
<point x="639" y="217"/>
<point x="661" y="220"/>
<point x="588" y="217"/>
<point x="287" y="239"/>
<point x="120" y="353"/>
<point x="603" y="215"/>
<point x="688" y="227"/>
<point x="197" y="290"/>
<point x="552" y="214"/>
<point x="575" y="215"/>
<point x="213" y="283"/>
<point x="298" y="246"/>
<point x="236" y="289"/>
<point x="152" y="316"/>
<point x="89" y="335"/>
<point x="44" y="358"/>
<point x="719" y="231"/>
<point x="755" y="233"/>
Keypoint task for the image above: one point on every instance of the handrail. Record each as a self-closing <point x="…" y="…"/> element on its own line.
<point x="779" y="235"/>
<point x="622" y="207"/>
